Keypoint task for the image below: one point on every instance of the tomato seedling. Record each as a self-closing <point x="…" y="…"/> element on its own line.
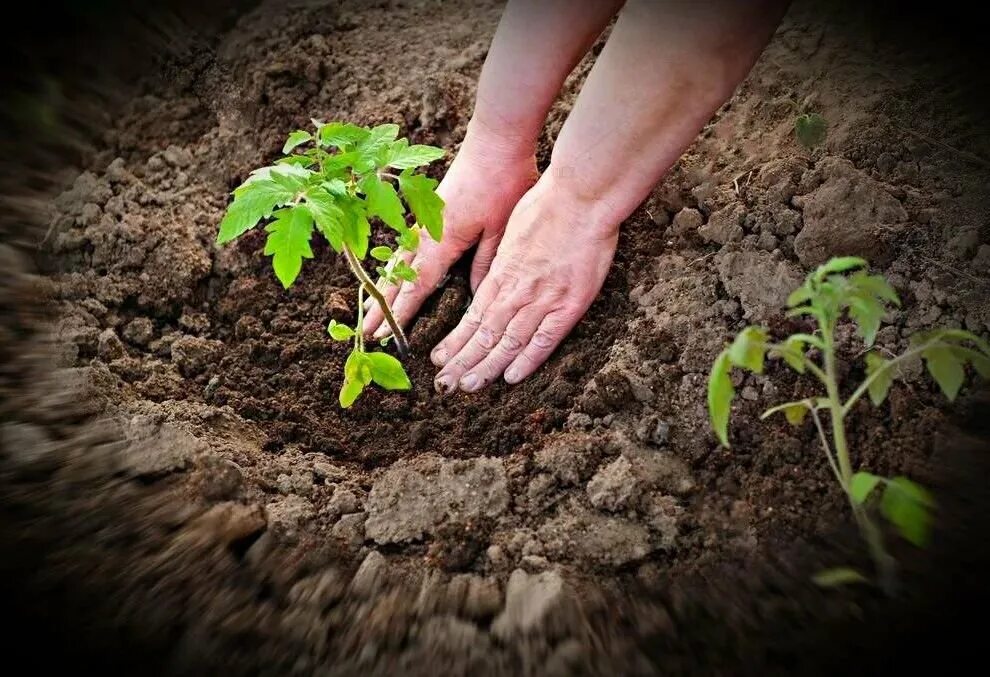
<point x="345" y="176"/>
<point x="810" y="130"/>
<point x="842" y="286"/>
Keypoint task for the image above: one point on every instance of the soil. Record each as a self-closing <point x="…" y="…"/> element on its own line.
<point x="183" y="492"/>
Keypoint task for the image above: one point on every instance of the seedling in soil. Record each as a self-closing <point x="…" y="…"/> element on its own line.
<point x="345" y="176"/>
<point x="810" y="130"/>
<point x="843" y="286"/>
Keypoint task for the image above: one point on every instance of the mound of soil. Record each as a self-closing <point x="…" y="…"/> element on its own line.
<point x="179" y="478"/>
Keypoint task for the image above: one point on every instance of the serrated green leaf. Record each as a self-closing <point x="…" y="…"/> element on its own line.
<point x="252" y="202"/>
<point x="420" y="192"/>
<point x="810" y="130"/>
<point x="330" y="218"/>
<point x="357" y="230"/>
<point x="720" y="394"/>
<point x="378" y="138"/>
<point x="748" y="349"/>
<point x="296" y="138"/>
<point x="862" y="485"/>
<point x="337" y="165"/>
<point x="288" y="242"/>
<point x="387" y="372"/>
<point x="339" y="332"/>
<point x="880" y="385"/>
<point x="291" y="177"/>
<point x="381" y="253"/>
<point x="833" y="578"/>
<point x="342" y="134"/>
<point x="404" y="271"/>
<point x="908" y="506"/>
<point x="839" y="264"/>
<point x="335" y="187"/>
<point x="875" y="285"/>
<point x="383" y="201"/>
<point x="867" y="312"/>
<point x="414" y="156"/>
<point x="944" y="366"/>
<point x="349" y="392"/>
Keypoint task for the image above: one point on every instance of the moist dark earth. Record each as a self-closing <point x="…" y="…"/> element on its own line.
<point x="182" y="494"/>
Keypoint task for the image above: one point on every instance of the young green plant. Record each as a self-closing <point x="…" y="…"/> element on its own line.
<point x="843" y="286"/>
<point x="334" y="181"/>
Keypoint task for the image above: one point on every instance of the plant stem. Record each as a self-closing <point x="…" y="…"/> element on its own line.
<point x="400" y="338"/>
<point x="871" y="534"/>
<point x="865" y="385"/>
<point x="359" y="333"/>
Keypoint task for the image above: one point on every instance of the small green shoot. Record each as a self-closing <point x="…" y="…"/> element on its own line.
<point x="810" y="130"/>
<point x="844" y="287"/>
<point x="336" y="181"/>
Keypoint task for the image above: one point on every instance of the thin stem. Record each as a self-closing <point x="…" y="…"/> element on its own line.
<point x="811" y="366"/>
<point x="400" y="338"/>
<point x="359" y="329"/>
<point x="828" y="451"/>
<point x="865" y="385"/>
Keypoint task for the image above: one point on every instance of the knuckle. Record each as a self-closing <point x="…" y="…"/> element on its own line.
<point x="486" y="337"/>
<point x="510" y="343"/>
<point x="544" y="339"/>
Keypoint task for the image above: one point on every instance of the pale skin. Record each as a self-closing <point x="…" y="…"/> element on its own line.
<point x="545" y="242"/>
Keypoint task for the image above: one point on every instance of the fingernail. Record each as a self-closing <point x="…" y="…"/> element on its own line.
<point x="382" y="332"/>
<point x="512" y="376"/>
<point x="470" y="383"/>
<point x="444" y="384"/>
<point x="368" y="301"/>
<point x="440" y="357"/>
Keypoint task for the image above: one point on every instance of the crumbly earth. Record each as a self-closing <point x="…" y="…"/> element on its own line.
<point x="178" y="475"/>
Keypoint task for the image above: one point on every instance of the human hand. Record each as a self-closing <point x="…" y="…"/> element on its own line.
<point x="549" y="267"/>
<point x="483" y="184"/>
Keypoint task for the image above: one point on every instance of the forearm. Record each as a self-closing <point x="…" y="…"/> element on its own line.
<point x="536" y="46"/>
<point x="665" y="70"/>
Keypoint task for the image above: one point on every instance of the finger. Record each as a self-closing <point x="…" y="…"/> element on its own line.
<point x="480" y="344"/>
<point x="375" y="316"/>
<point x="431" y="264"/>
<point x="516" y="336"/>
<point x="545" y="340"/>
<point x="483" y="257"/>
<point x="465" y="329"/>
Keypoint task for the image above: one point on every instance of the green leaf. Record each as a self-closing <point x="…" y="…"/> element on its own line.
<point x="800" y="295"/>
<point x="349" y="392"/>
<point x="720" y="394"/>
<point x="414" y="156"/>
<point x="357" y="230"/>
<point x="409" y="239"/>
<point x="335" y="187"/>
<point x="793" y="353"/>
<point x="879" y="386"/>
<point x="945" y="367"/>
<point x="342" y="134"/>
<point x="288" y="242"/>
<point x="908" y="506"/>
<point x="296" y="138"/>
<point x="292" y="178"/>
<point x="833" y="578"/>
<point x="301" y="160"/>
<point x="980" y="362"/>
<point x="330" y="218"/>
<point x="387" y="372"/>
<point x="383" y="201"/>
<point x="252" y="202"/>
<point x="748" y="349"/>
<point x="875" y="285"/>
<point x="378" y="138"/>
<point x="341" y="162"/>
<point x="862" y="485"/>
<point x="358" y="367"/>
<point x="839" y="264"/>
<point x="339" y="332"/>
<point x="381" y="253"/>
<point x="426" y="205"/>
<point x="404" y="271"/>
<point x="867" y="312"/>
<point x="810" y="130"/>
<point x="794" y="412"/>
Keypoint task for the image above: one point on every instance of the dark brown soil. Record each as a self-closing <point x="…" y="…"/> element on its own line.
<point x="183" y="495"/>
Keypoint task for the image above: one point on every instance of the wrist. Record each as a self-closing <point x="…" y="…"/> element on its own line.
<point x="593" y="207"/>
<point x="497" y="143"/>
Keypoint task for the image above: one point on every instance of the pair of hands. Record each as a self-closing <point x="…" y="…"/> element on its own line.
<point x="537" y="269"/>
